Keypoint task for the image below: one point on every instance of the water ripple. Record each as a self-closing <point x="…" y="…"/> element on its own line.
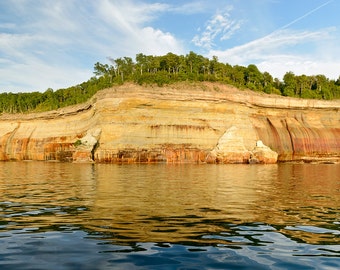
<point x="84" y="216"/>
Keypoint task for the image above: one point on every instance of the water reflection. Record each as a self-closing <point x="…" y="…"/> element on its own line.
<point x="222" y="206"/>
<point x="182" y="203"/>
<point x="43" y="195"/>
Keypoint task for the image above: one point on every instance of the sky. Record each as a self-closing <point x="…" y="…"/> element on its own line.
<point x="55" y="43"/>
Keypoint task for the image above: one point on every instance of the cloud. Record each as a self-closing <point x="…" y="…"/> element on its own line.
<point x="190" y="8"/>
<point x="221" y="26"/>
<point x="36" y="75"/>
<point x="307" y="52"/>
<point x="278" y="40"/>
<point x="132" y="34"/>
<point x="128" y="16"/>
<point x="280" y="52"/>
<point x="278" y="65"/>
<point x="55" y="43"/>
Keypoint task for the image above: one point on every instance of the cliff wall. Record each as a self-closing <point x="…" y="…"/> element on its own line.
<point x="202" y="122"/>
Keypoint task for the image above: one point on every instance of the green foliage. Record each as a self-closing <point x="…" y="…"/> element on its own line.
<point x="167" y="69"/>
<point x="51" y="100"/>
<point x="77" y="143"/>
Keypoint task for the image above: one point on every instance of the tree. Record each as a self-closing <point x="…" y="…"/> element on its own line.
<point x="171" y="68"/>
<point x="141" y="62"/>
<point x="214" y="66"/>
<point x="104" y="70"/>
<point x="267" y="83"/>
<point x="289" y="84"/>
<point x="192" y="62"/>
<point x="337" y="82"/>
<point x="253" y="77"/>
<point x="101" y="69"/>
<point x="323" y="87"/>
<point x="303" y="86"/>
<point x="237" y="76"/>
<point x="170" y="62"/>
<point x="153" y="63"/>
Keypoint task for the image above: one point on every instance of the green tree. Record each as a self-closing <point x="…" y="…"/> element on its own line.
<point x="167" y="69"/>
<point x="141" y="62"/>
<point x="267" y="83"/>
<point x="289" y="84"/>
<point x="238" y="76"/>
<point x="253" y="77"/>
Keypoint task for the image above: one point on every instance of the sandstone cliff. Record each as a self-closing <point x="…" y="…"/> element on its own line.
<point x="180" y="123"/>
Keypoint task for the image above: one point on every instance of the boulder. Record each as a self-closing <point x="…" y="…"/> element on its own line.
<point x="262" y="154"/>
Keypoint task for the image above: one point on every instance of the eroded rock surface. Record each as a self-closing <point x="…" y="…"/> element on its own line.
<point x="262" y="154"/>
<point x="86" y="146"/>
<point x="181" y="123"/>
<point x="231" y="148"/>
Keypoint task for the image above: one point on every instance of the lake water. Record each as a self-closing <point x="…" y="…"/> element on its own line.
<point x="104" y="216"/>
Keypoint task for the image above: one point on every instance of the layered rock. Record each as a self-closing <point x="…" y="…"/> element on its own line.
<point x="210" y="123"/>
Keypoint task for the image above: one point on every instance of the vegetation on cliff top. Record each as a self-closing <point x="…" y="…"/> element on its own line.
<point x="167" y="69"/>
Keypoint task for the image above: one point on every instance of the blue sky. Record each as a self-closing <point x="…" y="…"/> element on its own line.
<point x="55" y="43"/>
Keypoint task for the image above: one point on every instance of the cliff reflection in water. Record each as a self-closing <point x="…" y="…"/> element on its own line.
<point x="197" y="204"/>
<point x="183" y="203"/>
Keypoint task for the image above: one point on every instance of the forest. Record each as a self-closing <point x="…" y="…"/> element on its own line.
<point x="167" y="69"/>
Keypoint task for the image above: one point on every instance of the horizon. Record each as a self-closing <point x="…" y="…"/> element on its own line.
<point x="55" y="44"/>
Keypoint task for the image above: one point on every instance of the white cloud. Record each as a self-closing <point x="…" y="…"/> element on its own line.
<point x="128" y="20"/>
<point x="262" y="48"/>
<point x="55" y="43"/>
<point x="279" y="65"/>
<point x="191" y="7"/>
<point x="35" y="75"/>
<point x="278" y="53"/>
<point x="154" y="41"/>
<point x="220" y="26"/>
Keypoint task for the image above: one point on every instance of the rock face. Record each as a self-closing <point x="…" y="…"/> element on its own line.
<point x="210" y="123"/>
<point x="230" y="147"/>
<point x="262" y="154"/>
<point x="86" y="146"/>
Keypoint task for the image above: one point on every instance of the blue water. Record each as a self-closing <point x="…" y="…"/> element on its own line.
<point x="101" y="216"/>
